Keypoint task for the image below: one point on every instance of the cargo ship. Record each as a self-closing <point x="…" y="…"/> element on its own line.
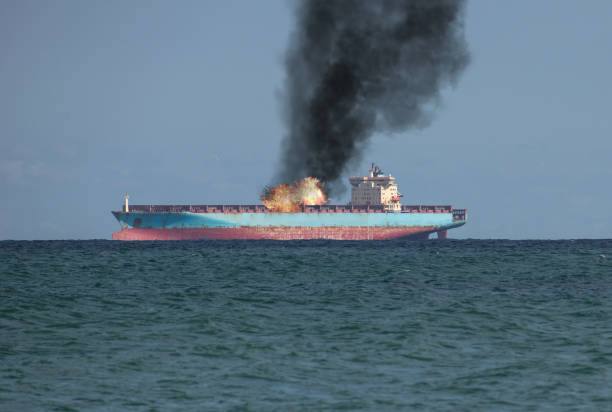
<point x="374" y="213"/>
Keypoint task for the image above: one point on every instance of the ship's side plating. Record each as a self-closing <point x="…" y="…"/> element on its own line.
<point x="328" y="222"/>
<point x="187" y="220"/>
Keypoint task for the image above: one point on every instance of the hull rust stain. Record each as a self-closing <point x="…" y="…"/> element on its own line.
<point x="276" y="233"/>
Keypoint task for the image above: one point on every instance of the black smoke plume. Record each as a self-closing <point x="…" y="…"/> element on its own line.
<point x="356" y="67"/>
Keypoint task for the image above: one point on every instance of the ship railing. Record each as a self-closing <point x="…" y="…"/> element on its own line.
<point x="458" y="214"/>
<point x="344" y="209"/>
<point x="199" y="208"/>
<point x="427" y="209"/>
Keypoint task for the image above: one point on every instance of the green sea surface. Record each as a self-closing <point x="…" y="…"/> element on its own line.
<point x="306" y="325"/>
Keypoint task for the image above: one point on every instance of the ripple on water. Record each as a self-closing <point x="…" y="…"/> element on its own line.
<point x="305" y="325"/>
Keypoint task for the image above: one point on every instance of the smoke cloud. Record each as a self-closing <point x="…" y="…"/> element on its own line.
<point x="355" y="68"/>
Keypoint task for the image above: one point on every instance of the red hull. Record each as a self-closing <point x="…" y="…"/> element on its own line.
<point x="277" y="233"/>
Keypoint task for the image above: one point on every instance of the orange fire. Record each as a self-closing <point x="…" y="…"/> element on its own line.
<point x="288" y="198"/>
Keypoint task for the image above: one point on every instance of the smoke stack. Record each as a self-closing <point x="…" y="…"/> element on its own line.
<point x="359" y="67"/>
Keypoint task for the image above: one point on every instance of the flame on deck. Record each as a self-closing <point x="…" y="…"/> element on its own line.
<point x="291" y="198"/>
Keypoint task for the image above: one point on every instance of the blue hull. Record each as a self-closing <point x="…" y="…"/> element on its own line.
<point x="187" y="220"/>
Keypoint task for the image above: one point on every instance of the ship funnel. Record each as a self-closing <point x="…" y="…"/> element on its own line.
<point x="375" y="171"/>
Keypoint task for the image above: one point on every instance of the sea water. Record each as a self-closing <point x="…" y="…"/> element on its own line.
<point x="306" y="325"/>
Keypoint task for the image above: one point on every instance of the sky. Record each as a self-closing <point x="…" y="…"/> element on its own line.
<point x="180" y="103"/>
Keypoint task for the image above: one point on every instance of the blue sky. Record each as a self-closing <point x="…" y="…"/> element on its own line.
<point x="179" y="102"/>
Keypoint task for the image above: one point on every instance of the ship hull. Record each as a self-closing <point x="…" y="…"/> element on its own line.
<point x="142" y="225"/>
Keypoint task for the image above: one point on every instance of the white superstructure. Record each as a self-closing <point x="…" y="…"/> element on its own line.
<point x="375" y="190"/>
